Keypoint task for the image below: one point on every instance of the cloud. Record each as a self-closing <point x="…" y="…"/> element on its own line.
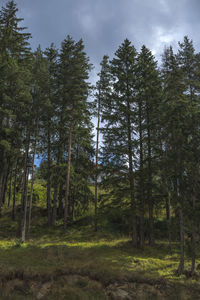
<point x="104" y="24"/>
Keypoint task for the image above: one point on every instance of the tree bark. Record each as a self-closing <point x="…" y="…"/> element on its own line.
<point x="60" y="200"/>
<point x="24" y="185"/>
<point x="149" y="190"/>
<point x="181" y="229"/>
<point x="168" y="216"/>
<point x="1" y="191"/>
<point x="182" y="246"/>
<point x="131" y="181"/>
<point x="49" y="177"/>
<point x="193" y="238"/>
<point x="96" y="166"/>
<point x="10" y="188"/>
<point x="25" y="210"/>
<point x="141" y="180"/>
<point x="54" y="212"/>
<point x="5" y="184"/>
<point x="14" y="194"/>
<point x="68" y="170"/>
<point x="32" y="182"/>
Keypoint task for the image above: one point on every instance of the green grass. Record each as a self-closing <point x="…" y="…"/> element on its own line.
<point x="83" y="250"/>
<point x="104" y="257"/>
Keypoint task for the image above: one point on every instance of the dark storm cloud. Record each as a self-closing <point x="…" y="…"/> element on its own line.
<point x="104" y="24"/>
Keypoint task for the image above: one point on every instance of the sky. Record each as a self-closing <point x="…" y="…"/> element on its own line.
<point x="104" y="24"/>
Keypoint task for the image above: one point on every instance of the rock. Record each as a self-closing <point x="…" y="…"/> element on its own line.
<point x="119" y="294"/>
<point x="44" y="290"/>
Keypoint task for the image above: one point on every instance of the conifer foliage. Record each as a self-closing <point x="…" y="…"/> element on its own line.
<point x="147" y="158"/>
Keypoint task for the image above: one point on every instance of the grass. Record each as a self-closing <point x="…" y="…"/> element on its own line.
<point x="83" y="250"/>
<point x="104" y="257"/>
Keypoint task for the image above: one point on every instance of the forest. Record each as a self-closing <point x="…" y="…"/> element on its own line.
<point x="113" y="165"/>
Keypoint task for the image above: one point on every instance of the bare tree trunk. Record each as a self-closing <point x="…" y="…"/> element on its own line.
<point x="25" y="210"/>
<point x="168" y="215"/>
<point x="182" y="242"/>
<point x="73" y="206"/>
<point x="49" y="179"/>
<point x="193" y="239"/>
<point x="14" y="194"/>
<point x="141" y="180"/>
<point x="10" y="188"/>
<point x="131" y="182"/>
<point x="32" y="182"/>
<point x="96" y="166"/>
<point x="149" y="190"/>
<point x="1" y="190"/>
<point x="68" y="170"/>
<point x="5" y="183"/>
<point x="24" y="187"/>
<point x="54" y="212"/>
<point x="60" y="200"/>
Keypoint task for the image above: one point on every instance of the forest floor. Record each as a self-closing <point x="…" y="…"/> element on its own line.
<point x="82" y="264"/>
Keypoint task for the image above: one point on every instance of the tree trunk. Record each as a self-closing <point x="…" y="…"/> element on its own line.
<point x="149" y="190"/>
<point x="49" y="177"/>
<point x="96" y="166"/>
<point x="60" y="200"/>
<point x="181" y="227"/>
<point x="141" y="180"/>
<point x="68" y="169"/>
<point x="182" y="242"/>
<point x="131" y="181"/>
<point x="32" y="182"/>
<point x="10" y="188"/>
<point x="14" y="194"/>
<point x="168" y="216"/>
<point x="24" y="187"/>
<point x="1" y="190"/>
<point x="25" y="210"/>
<point x="193" y="239"/>
<point x="73" y="206"/>
<point x="5" y="184"/>
<point x="54" y="213"/>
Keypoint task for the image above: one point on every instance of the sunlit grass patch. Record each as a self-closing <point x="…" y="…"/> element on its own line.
<point x="106" y="255"/>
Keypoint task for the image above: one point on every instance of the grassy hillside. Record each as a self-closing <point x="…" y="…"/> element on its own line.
<point x="80" y="264"/>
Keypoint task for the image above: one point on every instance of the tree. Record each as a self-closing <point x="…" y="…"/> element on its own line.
<point x="175" y="121"/>
<point x="103" y="91"/>
<point x="148" y="101"/>
<point x="189" y="68"/>
<point x="74" y="73"/>
<point x="118" y="130"/>
<point x="15" y="93"/>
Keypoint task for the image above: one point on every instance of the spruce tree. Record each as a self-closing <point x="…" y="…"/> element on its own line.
<point x="189" y="67"/>
<point x="74" y="73"/>
<point x="175" y="121"/>
<point x="148" y="101"/>
<point x="118" y="130"/>
<point x="103" y="91"/>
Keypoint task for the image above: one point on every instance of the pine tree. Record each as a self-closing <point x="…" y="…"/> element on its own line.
<point x="118" y="131"/>
<point x="175" y="118"/>
<point x="188" y="66"/>
<point x="148" y="101"/>
<point x="15" y="93"/>
<point x="49" y="122"/>
<point x="74" y="73"/>
<point x="103" y="91"/>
